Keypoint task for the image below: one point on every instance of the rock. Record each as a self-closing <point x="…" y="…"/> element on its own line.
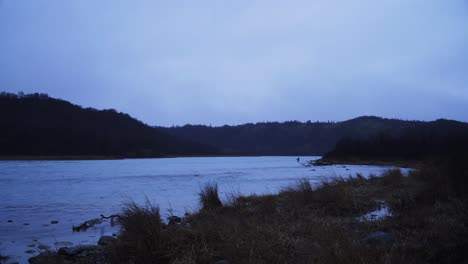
<point x="380" y="236"/>
<point x="43" y="247"/>
<point x="30" y="251"/>
<point x="46" y="257"/>
<point x="106" y="240"/>
<point x="3" y="258"/>
<point x="83" y="250"/>
<point x="320" y="163"/>
<point x="63" y="244"/>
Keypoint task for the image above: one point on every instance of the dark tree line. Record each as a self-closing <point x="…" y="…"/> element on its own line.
<point x="289" y="138"/>
<point x="438" y="139"/>
<point x="35" y="124"/>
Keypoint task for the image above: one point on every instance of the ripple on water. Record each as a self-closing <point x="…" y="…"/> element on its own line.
<point x="72" y="192"/>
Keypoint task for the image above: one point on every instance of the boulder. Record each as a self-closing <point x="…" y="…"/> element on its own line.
<point x="106" y="240"/>
<point x="82" y="250"/>
<point x="45" y="258"/>
<point x="60" y="244"/>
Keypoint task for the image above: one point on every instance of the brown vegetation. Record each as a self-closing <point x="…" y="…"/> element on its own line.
<point x="304" y="224"/>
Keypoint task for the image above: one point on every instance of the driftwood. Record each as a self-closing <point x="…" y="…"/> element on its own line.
<point x="92" y="222"/>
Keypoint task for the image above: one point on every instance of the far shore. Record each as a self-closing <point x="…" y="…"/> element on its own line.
<point x="67" y="157"/>
<point x="319" y="162"/>
<point x="377" y="162"/>
<point x="99" y="157"/>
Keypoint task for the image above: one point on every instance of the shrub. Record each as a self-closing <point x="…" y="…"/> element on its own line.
<point x="303" y="224"/>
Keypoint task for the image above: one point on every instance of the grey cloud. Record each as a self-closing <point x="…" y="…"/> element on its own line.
<point x="241" y="61"/>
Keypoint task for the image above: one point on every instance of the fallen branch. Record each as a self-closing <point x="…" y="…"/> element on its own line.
<point x="110" y="216"/>
<point x="90" y="223"/>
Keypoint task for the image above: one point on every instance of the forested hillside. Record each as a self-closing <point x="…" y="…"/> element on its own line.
<point x="37" y="125"/>
<point x="292" y="138"/>
<point x="441" y="138"/>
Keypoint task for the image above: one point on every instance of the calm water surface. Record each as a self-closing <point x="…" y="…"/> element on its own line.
<point x="34" y="193"/>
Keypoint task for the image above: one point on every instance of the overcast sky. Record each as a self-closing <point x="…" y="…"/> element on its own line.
<point x="230" y="62"/>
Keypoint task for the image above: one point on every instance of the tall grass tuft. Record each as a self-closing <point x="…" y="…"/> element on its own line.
<point x="303" y="185"/>
<point x="209" y="197"/>
<point x="301" y="192"/>
<point x="142" y="227"/>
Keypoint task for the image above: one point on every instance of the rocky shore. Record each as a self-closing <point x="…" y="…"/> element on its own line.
<point x="76" y="254"/>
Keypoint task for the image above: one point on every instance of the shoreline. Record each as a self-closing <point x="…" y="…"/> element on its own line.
<point x="351" y="220"/>
<point x="98" y="157"/>
<point x="58" y="157"/>
<point x="397" y="163"/>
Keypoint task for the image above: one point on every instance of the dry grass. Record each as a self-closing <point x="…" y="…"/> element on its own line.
<point x="209" y="197"/>
<point x="392" y="177"/>
<point x="141" y="238"/>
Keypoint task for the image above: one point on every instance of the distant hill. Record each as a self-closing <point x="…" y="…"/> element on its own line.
<point x="38" y="125"/>
<point x="305" y="138"/>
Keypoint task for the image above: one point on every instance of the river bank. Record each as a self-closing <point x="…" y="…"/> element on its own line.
<point x="113" y="157"/>
<point x="34" y="194"/>
<point x="403" y="163"/>
<point x="339" y="222"/>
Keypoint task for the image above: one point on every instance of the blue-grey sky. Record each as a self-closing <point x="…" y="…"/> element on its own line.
<point x="230" y="62"/>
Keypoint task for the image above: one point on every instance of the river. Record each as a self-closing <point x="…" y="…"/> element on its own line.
<point x="40" y="201"/>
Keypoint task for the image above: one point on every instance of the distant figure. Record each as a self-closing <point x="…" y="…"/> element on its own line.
<point x="298" y="159"/>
